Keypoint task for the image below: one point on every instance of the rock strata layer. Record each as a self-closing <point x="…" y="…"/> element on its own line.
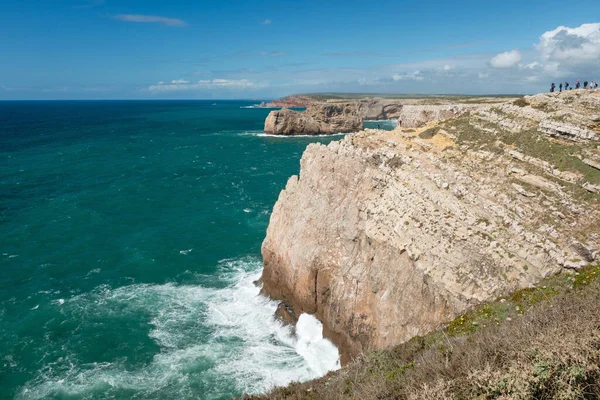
<point x="415" y="116"/>
<point x="385" y="236"/>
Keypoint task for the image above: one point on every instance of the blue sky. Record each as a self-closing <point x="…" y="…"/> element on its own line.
<point x="129" y="49"/>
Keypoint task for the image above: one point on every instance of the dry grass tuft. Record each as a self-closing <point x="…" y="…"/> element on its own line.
<point x="521" y="102"/>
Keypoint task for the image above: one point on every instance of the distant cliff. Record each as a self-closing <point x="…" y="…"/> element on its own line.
<point x="388" y="235"/>
<point x="342" y="117"/>
<point x="293" y="101"/>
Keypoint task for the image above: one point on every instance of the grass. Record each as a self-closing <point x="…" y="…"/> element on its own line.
<point x="428" y="133"/>
<point x="539" y="343"/>
<point x="529" y="142"/>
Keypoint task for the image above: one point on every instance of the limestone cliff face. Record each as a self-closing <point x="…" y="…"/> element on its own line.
<point x="378" y="109"/>
<point x="385" y="236"/>
<point x="412" y="115"/>
<point x="318" y="119"/>
<point x="415" y="116"/>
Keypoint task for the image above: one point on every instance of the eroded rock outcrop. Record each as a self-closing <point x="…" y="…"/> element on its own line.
<point x="318" y="119"/>
<point x="379" y="109"/>
<point x="414" y="116"/>
<point x="385" y="236"/>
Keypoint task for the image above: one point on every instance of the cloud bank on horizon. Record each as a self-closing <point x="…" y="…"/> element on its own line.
<point x="562" y="53"/>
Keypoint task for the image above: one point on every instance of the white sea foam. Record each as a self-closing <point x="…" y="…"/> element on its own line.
<point x="320" y="353"/>
<point x="214" y="342"/>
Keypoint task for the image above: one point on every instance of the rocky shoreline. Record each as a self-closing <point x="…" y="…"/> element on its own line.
<point x="389" y="235"/>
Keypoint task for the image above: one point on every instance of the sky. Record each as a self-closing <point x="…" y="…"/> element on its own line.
<point x="184" y="49"/>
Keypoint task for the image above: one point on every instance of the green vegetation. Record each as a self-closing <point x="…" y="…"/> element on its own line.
<point x="538" y="343"/>
<point x="428" y="133"/>
<point x="529" y="142"/>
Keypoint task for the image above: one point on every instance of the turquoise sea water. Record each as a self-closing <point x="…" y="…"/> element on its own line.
<point x="130" y="238"/>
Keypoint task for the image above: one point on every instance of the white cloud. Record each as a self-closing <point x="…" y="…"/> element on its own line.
<point x="533" y="65"/>
<point x="231" y="82"/>
<point x="508" y="59"/>
<point x="571" y="50"/>
<point x="183" y="85"/>
<point x="150" y="18"/>
<point x="413" y="76"/>
<point x="266" y="22"/>
<point x="447" y="67"/>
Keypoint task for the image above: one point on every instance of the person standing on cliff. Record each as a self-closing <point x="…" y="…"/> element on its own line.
<point x="552" y="87"/>
<point x="577" y="84"/>
<point x="399" y="122"/>
<point x="566" y="85"/>
<point x="560" y="87"/>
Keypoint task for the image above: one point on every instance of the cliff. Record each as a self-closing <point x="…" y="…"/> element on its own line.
<point x="538" y="343"/>
<point x="386" y="236"/>
<point x="378" y="109"/>
<point x="412" y="115"/>
<point x="318" y="119"/>
<point x="293" y="101"/>
<point x="415" y="116"/>
<point x="346" y="116"/>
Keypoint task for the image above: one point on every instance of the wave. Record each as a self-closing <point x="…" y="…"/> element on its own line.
<point x="215" y="342"/>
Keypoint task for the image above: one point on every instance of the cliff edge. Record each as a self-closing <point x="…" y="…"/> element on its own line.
<point x="388" y="235"/>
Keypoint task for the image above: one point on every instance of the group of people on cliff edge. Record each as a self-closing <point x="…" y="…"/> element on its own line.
<point x="586" y="85"/>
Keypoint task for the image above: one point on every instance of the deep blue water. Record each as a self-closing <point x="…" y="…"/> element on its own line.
<point x="130" y="236"/>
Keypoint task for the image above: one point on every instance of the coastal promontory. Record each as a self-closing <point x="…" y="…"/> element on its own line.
<point x="389" y="235"/>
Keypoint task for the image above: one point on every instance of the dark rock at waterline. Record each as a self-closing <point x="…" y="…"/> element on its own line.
<point x="286" y="314"/>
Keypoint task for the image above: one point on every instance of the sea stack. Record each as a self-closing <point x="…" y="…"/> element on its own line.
<point x="317" y="119"/>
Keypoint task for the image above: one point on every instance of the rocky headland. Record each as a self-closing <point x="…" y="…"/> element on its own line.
<point x="331" y="117"/>
<point x="292" y="101"/>
<point x="390" y="235"/>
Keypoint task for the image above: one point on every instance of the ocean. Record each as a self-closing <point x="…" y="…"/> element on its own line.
<point x="130" y="236"/>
